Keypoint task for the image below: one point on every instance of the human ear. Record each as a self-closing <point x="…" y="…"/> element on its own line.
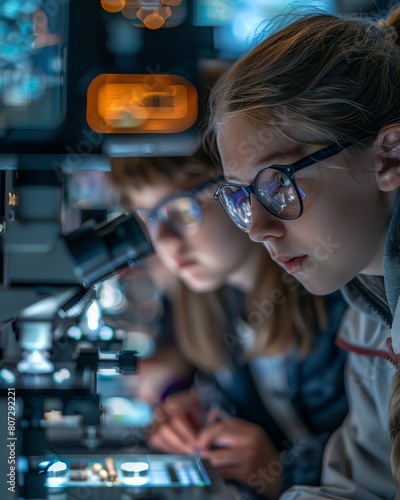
<point x="388" y="164"/>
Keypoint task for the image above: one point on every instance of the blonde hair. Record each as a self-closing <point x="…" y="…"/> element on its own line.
<point x="205" y="333"/>
<point x="330" y="74"/>
<point x="201" y="322"/>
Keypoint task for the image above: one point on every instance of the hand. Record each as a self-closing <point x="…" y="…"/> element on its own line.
<point x="176" y="424"/>
<point x="238" y="450"/>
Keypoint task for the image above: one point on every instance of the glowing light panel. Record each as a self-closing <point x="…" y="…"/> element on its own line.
<point x="141" y="103"/>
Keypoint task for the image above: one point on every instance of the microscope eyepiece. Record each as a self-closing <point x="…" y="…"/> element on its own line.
<point x="103" y="250"/>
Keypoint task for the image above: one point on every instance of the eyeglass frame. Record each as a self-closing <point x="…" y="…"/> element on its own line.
<point x="153" y="214"/>
<point x="289" y="171"/>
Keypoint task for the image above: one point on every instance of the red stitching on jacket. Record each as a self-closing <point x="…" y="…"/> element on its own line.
<point x="389" y="356"/>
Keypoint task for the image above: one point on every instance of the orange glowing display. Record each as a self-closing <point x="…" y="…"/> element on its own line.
<point x="112" y="5"/>
<point x="149" y="103"/>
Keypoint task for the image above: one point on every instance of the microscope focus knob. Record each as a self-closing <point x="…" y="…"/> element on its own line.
<point x="127" y="361"/>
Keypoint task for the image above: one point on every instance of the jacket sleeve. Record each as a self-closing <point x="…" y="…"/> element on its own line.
<point x="317" y="383"/>
<point x="302" y="463"/>
<point x="356" y="462"/>
<point x="354" y="492"/>
<point x="339" y="479"/>
<point x="318" y="394"/>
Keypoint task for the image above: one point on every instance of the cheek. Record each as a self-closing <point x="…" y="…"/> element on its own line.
<point x="219" y="231"/>
<point x="337" y="241"/>
<point x="334" y="202"/>
<point x="327" y="233"/>
<point x="164" y="252"/>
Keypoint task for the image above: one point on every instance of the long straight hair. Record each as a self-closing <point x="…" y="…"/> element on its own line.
<point x="290" y="316"/>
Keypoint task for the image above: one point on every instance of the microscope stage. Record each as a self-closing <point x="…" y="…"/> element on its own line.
<point x="127" y="476"/>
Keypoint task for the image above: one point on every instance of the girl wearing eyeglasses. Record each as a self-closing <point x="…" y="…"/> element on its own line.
<point x="307" y="126"/>
<point x="264" y="346"/>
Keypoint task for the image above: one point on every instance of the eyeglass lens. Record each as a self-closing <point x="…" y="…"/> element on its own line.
<point x="182" y="215"/>
<point x="275" y="191"/>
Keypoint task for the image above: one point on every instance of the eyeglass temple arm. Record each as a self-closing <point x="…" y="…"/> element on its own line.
<point x="327" y="152"/>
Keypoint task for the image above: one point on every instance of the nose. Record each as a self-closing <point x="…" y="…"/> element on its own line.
<point x="264" y="225"/>
<point x="166" y="240"/>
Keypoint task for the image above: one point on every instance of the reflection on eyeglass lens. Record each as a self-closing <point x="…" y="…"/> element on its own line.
<point x="182" y="213"/>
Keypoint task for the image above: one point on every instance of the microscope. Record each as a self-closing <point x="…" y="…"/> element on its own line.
<point x="46" y="276"/>
<point x="51" y="123"/>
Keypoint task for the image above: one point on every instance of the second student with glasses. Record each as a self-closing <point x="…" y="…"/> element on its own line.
<point x="264" y="344"/>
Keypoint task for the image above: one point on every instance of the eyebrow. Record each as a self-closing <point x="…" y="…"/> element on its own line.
<point x="278" y="158"/>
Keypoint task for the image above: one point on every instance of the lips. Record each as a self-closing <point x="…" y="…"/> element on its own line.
<point x="182" y="263"/>
<point x="291" y="265"/>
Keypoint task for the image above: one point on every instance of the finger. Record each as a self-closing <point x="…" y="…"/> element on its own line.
<point x="172" y="432"/>
<point x="224" y="458"/>
<point x="208" y="435"/>
<point x="220" y="436"/>
<point x="229" y="473"/>
<point x="156" y="442"/>
<point x="184" y="426"/>
<point x="179" y="421"/>
<point x="185" y="429"/>
<point x="160" y="416"/>
<point x="167" y="440"/>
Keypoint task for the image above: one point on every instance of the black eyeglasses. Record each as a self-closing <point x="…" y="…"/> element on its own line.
<point x="181" y="212"/>
<point x="274" y="187"/>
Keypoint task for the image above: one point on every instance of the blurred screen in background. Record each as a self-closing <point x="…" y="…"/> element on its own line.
<point x="235" y="21"/>
<point x="33" y="41"/>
